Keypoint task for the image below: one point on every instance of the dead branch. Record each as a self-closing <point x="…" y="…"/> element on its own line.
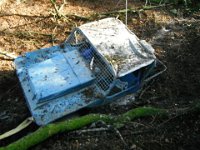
<point x="91" y="130"/>
<point x="22" y="15"/>
<point x="121" y="137"/>
<point x="79" y="17"/>
<point x="134" y="10"/>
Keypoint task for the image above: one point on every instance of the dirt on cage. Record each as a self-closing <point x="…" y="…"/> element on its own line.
<point x="172" y="31"/>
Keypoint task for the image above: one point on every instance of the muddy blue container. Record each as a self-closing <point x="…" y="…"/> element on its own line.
<point x="100" y="62"/>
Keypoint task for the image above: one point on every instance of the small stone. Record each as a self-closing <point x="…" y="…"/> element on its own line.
<point x="133" y="146"/>
<point x="167" y="140"/>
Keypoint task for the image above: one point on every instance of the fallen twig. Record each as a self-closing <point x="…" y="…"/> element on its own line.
<point x="7" y="54"/>
<point x="157" y="6"/>
<point x="86" y="18"/>
<point x="119" y="11"/>
<point x="121" y="137"/>
<point x="27" y="34"/>
<point x="22" y="15"/>
<point x="134" y="10"/>
<point x="7" y="59"/>
<point x="91" y="130"/>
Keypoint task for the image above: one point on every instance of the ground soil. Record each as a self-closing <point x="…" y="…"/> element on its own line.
<point x="173" y="31"/>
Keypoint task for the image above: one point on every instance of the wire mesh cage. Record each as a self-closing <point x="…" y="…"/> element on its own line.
<point x="97" y="64"/>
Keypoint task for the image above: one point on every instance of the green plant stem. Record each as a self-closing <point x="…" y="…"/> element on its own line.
<point x="56" y="8"/>
<point x="49" y="130"/>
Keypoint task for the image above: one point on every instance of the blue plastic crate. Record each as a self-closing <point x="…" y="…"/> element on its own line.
<point x="100" y="62"/>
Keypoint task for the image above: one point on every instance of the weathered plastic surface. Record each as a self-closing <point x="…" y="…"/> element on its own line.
<point x="118" y="45"/>
<point x="53" y="77"/>
<point x="58" y="74"/>
<point x="62" y="79"/>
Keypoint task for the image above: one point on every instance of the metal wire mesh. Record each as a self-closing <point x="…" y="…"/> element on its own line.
<point x="101" y="70"/>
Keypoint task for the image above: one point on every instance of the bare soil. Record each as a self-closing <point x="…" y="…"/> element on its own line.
<point x="30" y="25"/>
